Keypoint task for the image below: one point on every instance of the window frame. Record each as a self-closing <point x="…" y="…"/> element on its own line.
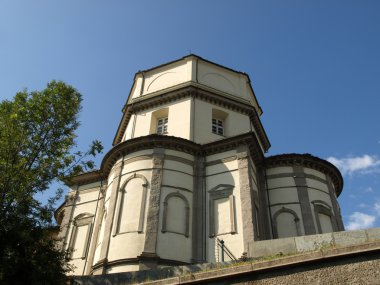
<point x="217" y="125"/>
<point x="162" y="123"/>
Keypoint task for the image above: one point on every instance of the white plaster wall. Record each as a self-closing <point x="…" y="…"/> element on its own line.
<point x="142" y="124"/>
<point x="167" y="76"/>
<point x="319" y="195"/>
<point x="85" y="203"/>
<point x="294" y="207"/>
<point x="78" y="265"/>
<point x="129" y="205"/>
<point x="100" y="236"/>
<point x="283" y="195"/>
<point x="128" y="131"/>
<point x="126" y="245"/>
<point x="317" y="184"/>
<point x="138" y="154"/>
<point x="176" y="165"/>
<point x="223" y="79"/>
<point x="279" y="170"/>
<point x="235" y="123"/>
<point x="325" y="222"/>
<point x="234" y="242"/>
<point x="120" y="244"/>
<point x="172" y="245"/>
<point x="131" y="167"/>
<point x="179" y="154"/>
<point x="222" y="167"/>
<point x="221" y="155"/>
<point x="109" y="188"/>
<point x="175" y="178"/>
<point x="88" y="206"/>
<point x="281" y="182"/>
<point x="111" y="176"/>
<point x="88" y="195"/>
<point x="315" y="172"/>
<point x="178" y="121"/>
<point x="137" y="85"/>
<point x="80" y="242"/>
<point x="232" y="83"/>
<point x="161" y="78"/>
<point x="286" y="225"/>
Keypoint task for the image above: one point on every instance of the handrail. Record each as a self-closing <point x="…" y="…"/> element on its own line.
<point x="225" y="249"/>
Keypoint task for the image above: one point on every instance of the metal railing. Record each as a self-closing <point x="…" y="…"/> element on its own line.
<point x="224" y="249"/>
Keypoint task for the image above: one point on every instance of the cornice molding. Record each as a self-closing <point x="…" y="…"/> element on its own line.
<point x="310" y="161"/>
<point x="168" y="142"/>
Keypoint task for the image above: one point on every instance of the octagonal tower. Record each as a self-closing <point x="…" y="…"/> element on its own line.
<point x="187" y="170"/>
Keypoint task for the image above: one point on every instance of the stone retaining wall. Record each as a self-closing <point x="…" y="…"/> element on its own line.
<point x="312" y="242"/>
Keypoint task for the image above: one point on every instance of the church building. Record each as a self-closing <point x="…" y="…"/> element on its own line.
<point x="188" y="171"/>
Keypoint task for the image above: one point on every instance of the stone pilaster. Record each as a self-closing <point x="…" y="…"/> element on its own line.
<point x="337" y="216"/>
<point x="264" y="207"/>
<point x="199" y="212"/>
<point x="303" y="197"/>
<point x="148" y="258"/>
<point x="246" y="199"/>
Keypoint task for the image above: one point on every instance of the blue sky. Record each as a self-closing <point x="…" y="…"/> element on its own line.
<point x="314" y="66"/>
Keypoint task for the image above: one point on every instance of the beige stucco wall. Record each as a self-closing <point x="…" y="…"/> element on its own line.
<point x="120" y="244"/>
<point x="162" y="78"/>
<point x="177" y="178"/>
<point x="174" y="246"/>
<point x="142" y="123"/>
<point x="192" y="69"/>
<point x="189" y="120"/>
<point x="218" y="174"/>
<point x="224" y="80"/>
<point x="283" y="193"/>
<point x="235" y="123"/>
<point x="85" y="203"/>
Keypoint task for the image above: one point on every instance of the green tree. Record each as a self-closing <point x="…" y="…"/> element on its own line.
<point x="37" y="137"/>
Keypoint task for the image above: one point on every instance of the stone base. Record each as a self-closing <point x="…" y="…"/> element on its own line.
<point x="148" y="261"/>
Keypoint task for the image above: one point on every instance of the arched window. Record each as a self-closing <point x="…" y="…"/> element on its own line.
<point x="286" y="223"/>
<point x="80" y="236"/>
<point x="131" y="205"/>
<point x="176" y="214"/>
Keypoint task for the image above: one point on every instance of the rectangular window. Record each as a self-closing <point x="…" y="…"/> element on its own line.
<point x="162" y="126"/>
<point x="217" y="126"/>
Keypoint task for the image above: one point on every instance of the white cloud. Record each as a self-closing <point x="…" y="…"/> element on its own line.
<point x="361" y="164"/>
<point x="363" y="205"/>
<point x="359" y="221"/>
<point x="376" y="208"/>
<point x="369" y="189"/>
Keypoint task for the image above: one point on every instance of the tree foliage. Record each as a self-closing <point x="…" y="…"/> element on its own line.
<point x="37" y="137"/>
